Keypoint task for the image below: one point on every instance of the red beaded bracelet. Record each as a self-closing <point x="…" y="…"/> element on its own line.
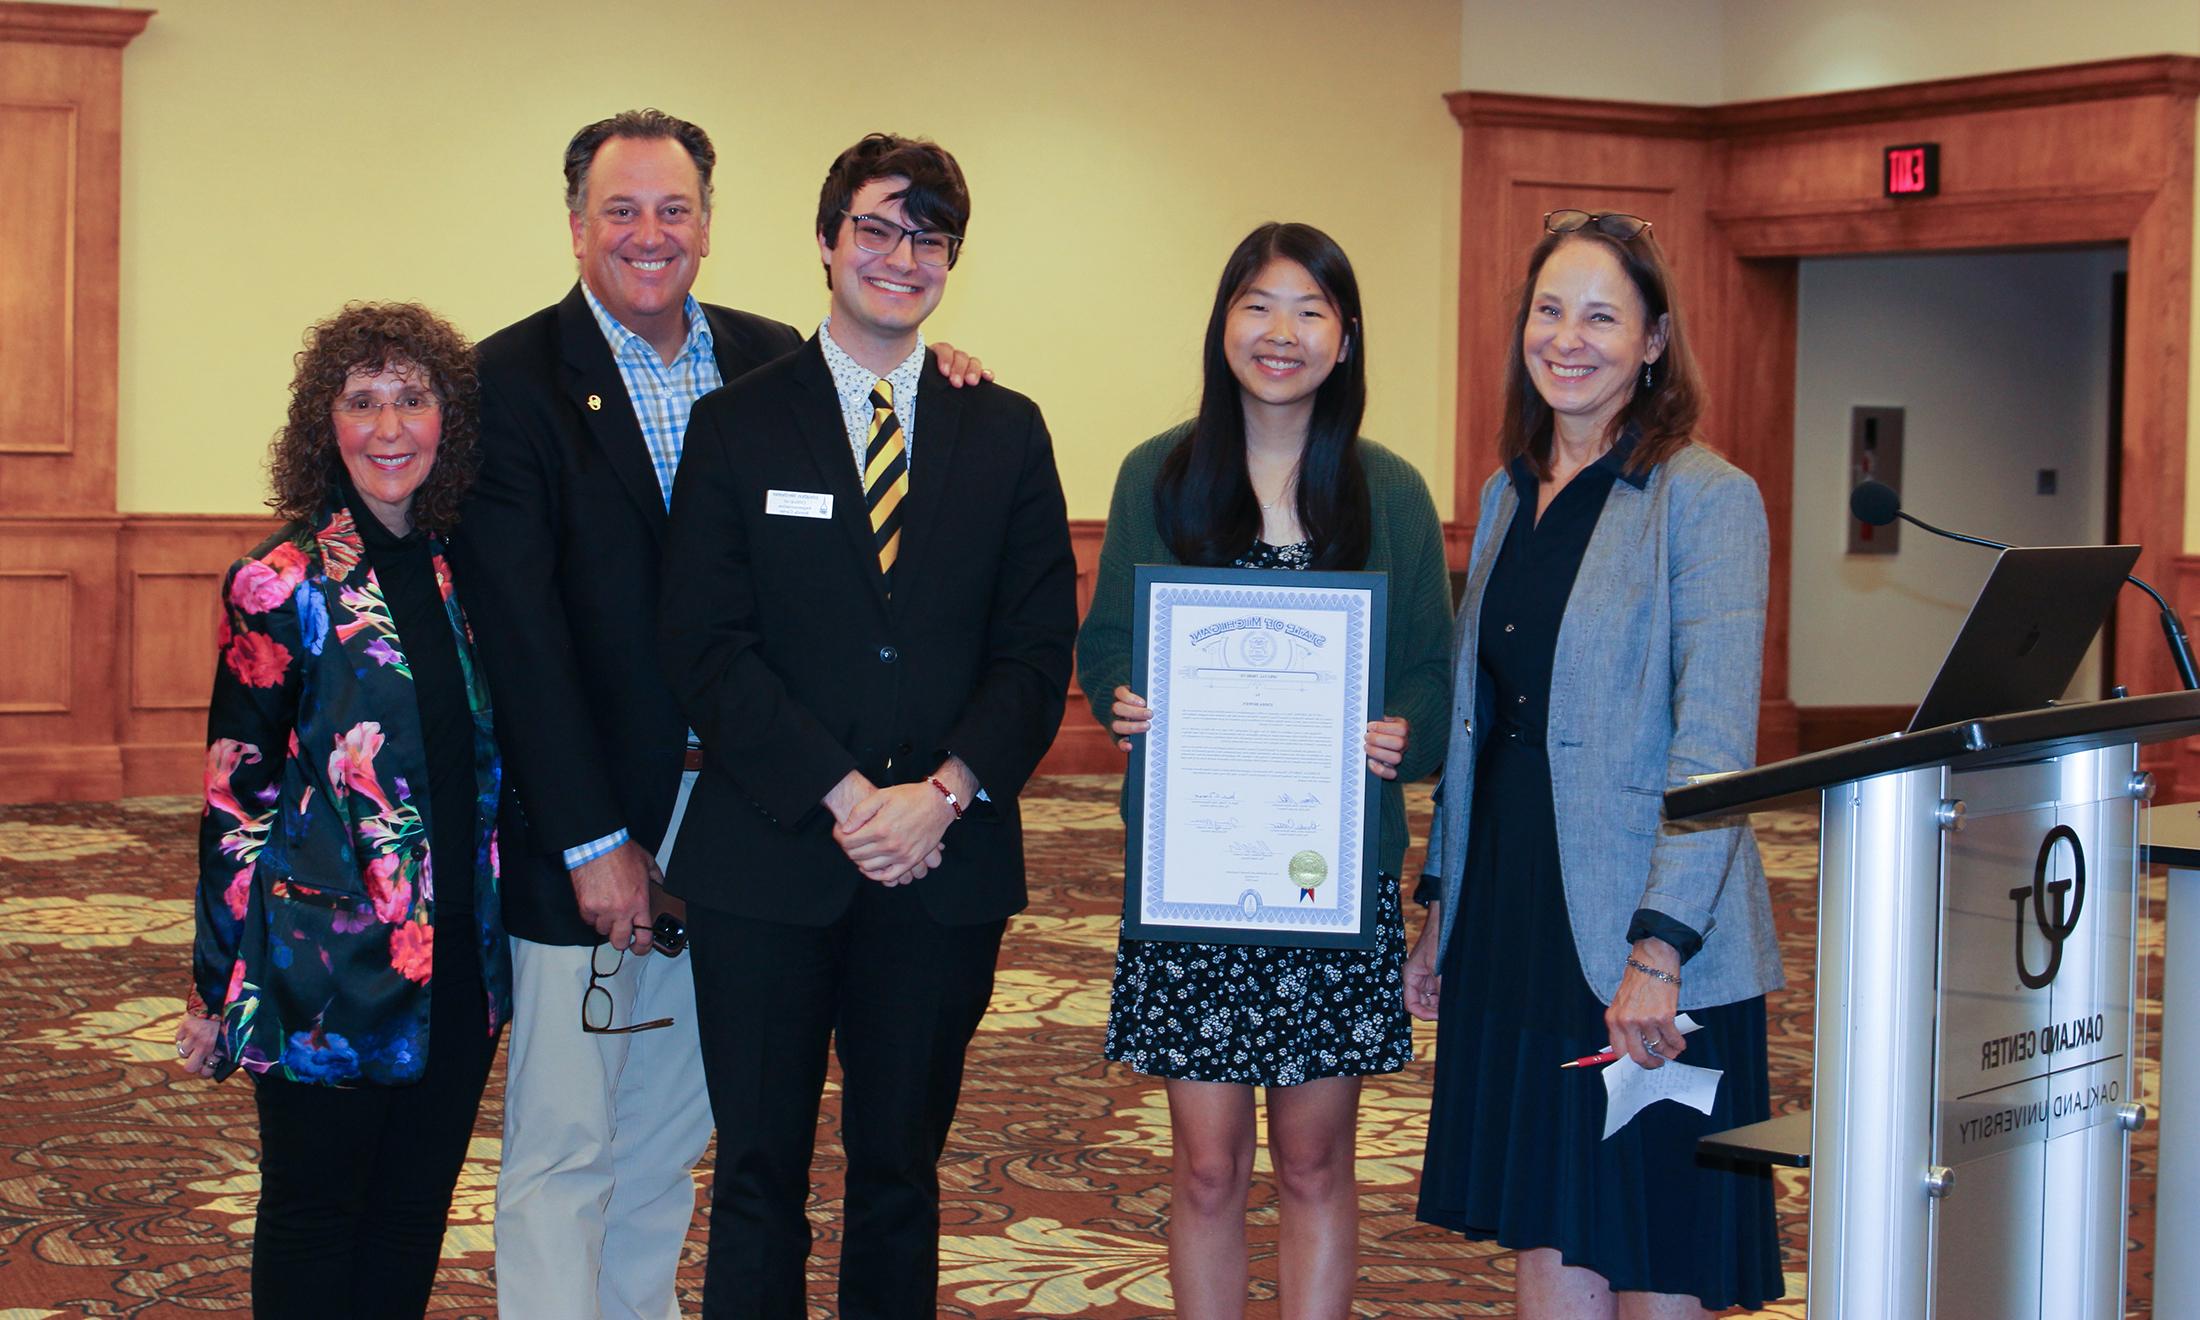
<point x="954" y="803"/>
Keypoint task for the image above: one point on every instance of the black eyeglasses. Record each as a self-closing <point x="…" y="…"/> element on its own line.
<point x="879" y="236"/>
<point x="1611" y="224"/>
<point x="596" y="1002"/>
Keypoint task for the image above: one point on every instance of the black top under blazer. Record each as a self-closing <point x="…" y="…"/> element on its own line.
<point x="560" y="547"/>
<point x="794" y="666"/>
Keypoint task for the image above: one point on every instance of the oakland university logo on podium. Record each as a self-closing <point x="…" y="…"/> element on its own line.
<point x="2022" y="1065"/>
<point x="2068" y="900"/>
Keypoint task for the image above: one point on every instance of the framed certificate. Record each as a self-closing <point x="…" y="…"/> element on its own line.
<point x="1251" y="811"/>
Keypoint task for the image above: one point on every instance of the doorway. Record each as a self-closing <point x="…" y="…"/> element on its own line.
<point x="2004" y="365"/>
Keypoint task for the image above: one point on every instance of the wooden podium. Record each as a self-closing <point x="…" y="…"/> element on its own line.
<point x="1977" y="957"/>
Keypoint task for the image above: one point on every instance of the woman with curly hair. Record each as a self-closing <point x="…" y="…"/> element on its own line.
<point x="350" y="954"/>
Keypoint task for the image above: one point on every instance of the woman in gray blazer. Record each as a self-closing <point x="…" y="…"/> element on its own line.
<point x="1609" y="646"/>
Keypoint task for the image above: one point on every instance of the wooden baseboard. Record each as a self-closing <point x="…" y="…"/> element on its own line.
<point x="162" y="769"/>
<point x="1820" y="727"/>
<point x="61" y="773"/>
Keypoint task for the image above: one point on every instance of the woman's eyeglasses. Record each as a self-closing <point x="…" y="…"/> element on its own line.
<point x="1611" y="224"/>
<point x="366" y="408"/>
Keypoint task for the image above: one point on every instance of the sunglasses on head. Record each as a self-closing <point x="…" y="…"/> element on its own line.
<point x="1611" y="224"/>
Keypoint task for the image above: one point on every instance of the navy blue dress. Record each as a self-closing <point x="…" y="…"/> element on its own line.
<point x="1515" y="1148"/>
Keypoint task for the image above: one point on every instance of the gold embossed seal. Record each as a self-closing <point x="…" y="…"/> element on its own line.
<point x="1308" y="870"/>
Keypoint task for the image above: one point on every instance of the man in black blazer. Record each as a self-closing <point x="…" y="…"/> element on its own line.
<point x="584" y="414"/>
<point x="868" y="611"/>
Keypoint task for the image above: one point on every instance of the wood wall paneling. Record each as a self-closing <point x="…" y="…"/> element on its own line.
<point x="2183" y="590"/>
<point x="38" y="160"/>
<point x="171" y="571"/>
<point x="60" y="222"/>
<point x="60" y="225"/>
<point x="35" y="619"/>
<point x="2156" y="410"/>
<point x="172" y="623"/>
<point x="2085" y="154"/>
<point x="1656" y="165"/>
<point x="90" y="26"/>
<point x="57" y="616"/>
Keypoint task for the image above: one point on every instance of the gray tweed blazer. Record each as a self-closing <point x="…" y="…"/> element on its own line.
<point x="1660" y="655"/>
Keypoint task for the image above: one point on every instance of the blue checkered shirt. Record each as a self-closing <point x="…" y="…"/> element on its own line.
<point x="663" y="395"/>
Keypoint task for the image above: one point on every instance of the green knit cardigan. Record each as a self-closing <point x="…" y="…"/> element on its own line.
<point x="1406" y="542"/>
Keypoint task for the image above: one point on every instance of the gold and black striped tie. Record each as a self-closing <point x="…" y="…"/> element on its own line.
<point x="885" y="478"/>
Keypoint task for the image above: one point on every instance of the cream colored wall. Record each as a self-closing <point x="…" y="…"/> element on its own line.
<point x="281" y="158"/>
<point x="1797" y="47"/>
<point x="1699" y="52"/>
<point x="1611" y="50"/>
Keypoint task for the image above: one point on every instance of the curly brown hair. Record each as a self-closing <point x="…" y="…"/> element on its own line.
<point x="302" y="460"/>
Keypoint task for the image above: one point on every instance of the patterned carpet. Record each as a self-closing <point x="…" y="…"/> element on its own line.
<point x="127" y="1189"/>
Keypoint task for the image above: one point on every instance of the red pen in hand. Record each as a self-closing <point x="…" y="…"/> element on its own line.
<point x="1681" y="1021"/>
<point x="1592" y="1060"/>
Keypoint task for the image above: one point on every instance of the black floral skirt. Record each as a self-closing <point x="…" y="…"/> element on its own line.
<point x="1261" y="1014"/>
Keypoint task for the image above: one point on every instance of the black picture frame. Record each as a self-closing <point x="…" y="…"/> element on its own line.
<point x="1145" y="578"/>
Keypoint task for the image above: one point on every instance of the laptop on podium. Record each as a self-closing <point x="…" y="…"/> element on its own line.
<point x="2027" y="632"/>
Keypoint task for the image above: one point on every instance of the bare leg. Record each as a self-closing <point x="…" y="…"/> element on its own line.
<point x="1211" y="1133"/>
<point x="1312" y="1129"/>
<point x="1549" y="1289"/>
<point x="1660" y="1306"/>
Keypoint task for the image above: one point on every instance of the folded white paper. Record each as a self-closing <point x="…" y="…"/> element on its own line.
<point x="1629" y="1087"/>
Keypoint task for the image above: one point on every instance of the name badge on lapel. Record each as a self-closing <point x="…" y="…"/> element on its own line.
<point x="798" y="503"/>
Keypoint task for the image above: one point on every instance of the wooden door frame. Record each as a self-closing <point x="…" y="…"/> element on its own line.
<point x="2081" y="154"/>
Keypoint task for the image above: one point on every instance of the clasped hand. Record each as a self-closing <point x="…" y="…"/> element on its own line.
<point x="893" y="835"/>
<point x="1386" y="737"/>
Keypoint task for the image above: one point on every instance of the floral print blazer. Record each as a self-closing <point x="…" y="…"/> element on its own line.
<point x="316" y="887"/>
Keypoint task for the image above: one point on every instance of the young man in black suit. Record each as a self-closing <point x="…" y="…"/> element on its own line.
<point x="868" y="612"/>
<point x="584" y="413"/>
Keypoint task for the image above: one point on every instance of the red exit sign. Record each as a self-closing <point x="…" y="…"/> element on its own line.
<point x="1913" y="170"/>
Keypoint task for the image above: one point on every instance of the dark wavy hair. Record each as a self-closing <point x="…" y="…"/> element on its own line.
<point x="1204" y="504"/>
<point x="1665" y="412"/>
<point x="641" y="126"/>
<point x="936" y="198"/>
<point x="303" y="462"/>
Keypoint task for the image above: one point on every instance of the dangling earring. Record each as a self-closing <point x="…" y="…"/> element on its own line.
<point x="1647" y="383"/>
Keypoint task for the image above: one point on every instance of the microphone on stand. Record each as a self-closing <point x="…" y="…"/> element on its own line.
<point x="1876" y="503"/>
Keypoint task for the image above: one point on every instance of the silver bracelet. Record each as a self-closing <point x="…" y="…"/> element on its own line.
<point x="1653" y="973"/>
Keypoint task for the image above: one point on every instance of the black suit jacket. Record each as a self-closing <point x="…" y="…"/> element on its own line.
<point x="559" y="552"/>
<point x="790" y="660"/>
